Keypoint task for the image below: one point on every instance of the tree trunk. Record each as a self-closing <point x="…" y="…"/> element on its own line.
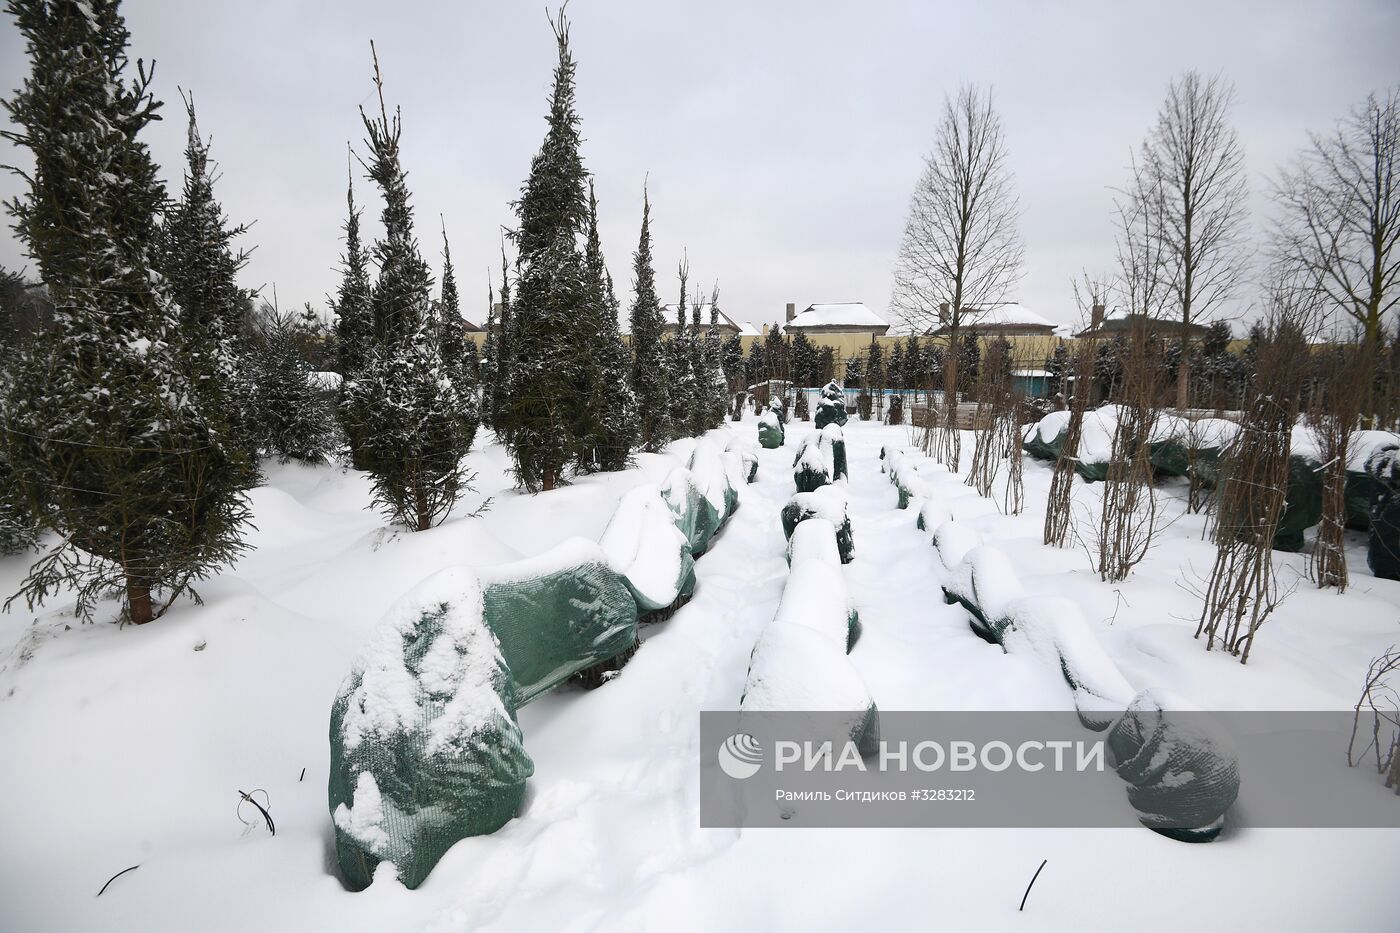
<point x="1183" y="379"/>
<point x="420" y="506"/>
<point x="547" y="480"/>
<point x="138" y="602"/>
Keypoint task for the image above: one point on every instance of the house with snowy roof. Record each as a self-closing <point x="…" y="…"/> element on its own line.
<point x="1007" y="319"/>
<point x="847" y="317"/>
<point x="728" y="326"/>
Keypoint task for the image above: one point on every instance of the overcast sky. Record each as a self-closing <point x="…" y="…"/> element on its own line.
<point x="782" y="139"/>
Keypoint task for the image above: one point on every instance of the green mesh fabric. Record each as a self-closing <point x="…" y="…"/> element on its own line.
<point x="821" y="459"/>
<point x="770" y="431"/>
<point x="1040" y="449"/>
<point x="1169" y="458"/>
<point x="1383" y="541"/>
<point x="425" y="749"/>
<point x="831" y="407"/>
<point x="1182" y="776"/>
<point x="798" y="509"/>
<point x="558" y="614"/>
<point x="1363" y="492"/>
<point x="1302" y="504"/>
<point x="697" y="519"/>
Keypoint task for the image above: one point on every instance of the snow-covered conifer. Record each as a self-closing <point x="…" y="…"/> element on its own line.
<point x="650" y="367"/>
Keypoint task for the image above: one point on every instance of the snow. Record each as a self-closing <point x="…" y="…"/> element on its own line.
<point x="934" y="512"/>
<point x="848" y="314"/>
<point x="954" y="540"/>
<point x="816" y="598"/>
<point x="711" y="477"/>
<point x="986" y="578"/>
<point x="828" y="502"/>
<point x="126" y="746"/>
<point x="814" y="540"/>
<point x="799" y="669"/>
<point x="643" y="544"/>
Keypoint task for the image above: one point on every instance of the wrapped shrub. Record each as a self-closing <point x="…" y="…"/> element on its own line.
<point x="557" y="614"/>
<point x="770" y="430"/>
<point x="831" y="407"/>
<point x="828" y="502"/>
<point x="953" y="540"/>
<point x="984" y="583"/>
<point x="691" y="511"/>
<point x="796" y="669"/>
<point x="652" y="555"/>
<point x="812" y="468"/>
<point x="932" y="513"/>
<point x="1182" y="772"/>
<point x="707" y="467"/>
<point x="833" y="436"/>
<point x="895" y="413"/>
<point x="747" y="456"/>
<point x="814" y="539"/>
<point x="425" y="749"/>
<point x="817" y="598"/>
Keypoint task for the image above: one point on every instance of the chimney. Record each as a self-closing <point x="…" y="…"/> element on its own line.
<point x="765" y="330"/>
<point x="791" y="311"/>
<point x="1096" y="315"/>
<point x="943" y="312"/>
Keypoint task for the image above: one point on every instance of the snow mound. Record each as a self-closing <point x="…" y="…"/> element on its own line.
<point x="814" y="539"/>
<point x="818" y="599"/>
<point x="953" y="541"/>
<point x="643" y="544"/>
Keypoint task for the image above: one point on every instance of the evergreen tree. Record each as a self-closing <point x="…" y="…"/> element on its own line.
<point x="650" y="384"/>
<point x="295" y="413"/>
<point x="414" y="424"/>
<point x="452" y="334"/>
<point x="804" y="361"/>
<point x="200" y="266"/>
<point x="608" y="431"/>
<point x="489" y="352"/>
<point x="826" y="365"/>
<point x="716" y="397"/>
<point x="110" y="433"/>
<point x="897" y="377"/>
<point x="543" y="410"/>
<point x="354" y="324"/>
<point x="733" y="360"/>
<point x="500" y="376"/>
<point x="680" y="363"/>
<point x="969" y="358"/>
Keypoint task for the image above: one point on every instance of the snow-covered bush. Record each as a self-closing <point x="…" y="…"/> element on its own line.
<point x="747" y="456"/>
<point x="1054" y="630"/>
<point x="953" y="540"/>
<point x="833" y="436"/>
<point x="707" y="466"/>
<point x="831" y="407"/>
<point x="1182" y="770"/>
<point x="828" y="502"/>
<point x="817" y="598"/>
<point x="770" y="429"/>
<point x="796" y="669"/>
<point x="643" y="544"/>
<point x="425" y="749"/>
<point x="557" y="614"/>
<point x="821" y="459"/>
<point x="691" y="511"/>
<point x="814" y="539"/>
<point x="985" y="583"/>
<point x="933" y="512"/>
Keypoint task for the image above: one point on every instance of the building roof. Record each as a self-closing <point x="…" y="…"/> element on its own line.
<point x="852" y="314"/>
<point x="744" y="328"/>
<point x="1122" y="322"/>
<point x="1008" y="317"/>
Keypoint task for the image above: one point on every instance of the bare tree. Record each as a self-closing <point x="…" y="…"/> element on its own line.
<point x="1333" y="412"/>
<point x="961" y="251"/>
<point x="1192" y="166"/>
<point x="1341" y="213"/>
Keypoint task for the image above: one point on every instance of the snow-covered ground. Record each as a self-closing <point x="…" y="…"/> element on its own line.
<point x="129" y="746"/>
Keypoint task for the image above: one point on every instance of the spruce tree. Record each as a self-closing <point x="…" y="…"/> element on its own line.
<point x="650" y="367"/>
<point x="680" y="359"/>
<point x="354" y="326"/>
<point x="543" y="410"/>
<point x="110" y="433"/>
<point x="608" y="431"/>
<point x="452" y="335"/>
<point x="200" y="265"/>
<point x="804" y="361"/>
<point x="296" y="416"/>
<point x="716" y="400"/>
<point x="500" y="375"/>
<point x="487" y="374"/>
<point x="414" y="424"/>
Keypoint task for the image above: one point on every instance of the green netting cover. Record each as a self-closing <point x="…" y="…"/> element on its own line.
<point x="770" y="430"/>
<point x="1383" y="541"/>
<point x="643" y="544"/>
<point x="707" y="466"/>
<point x="1041" y="449"/>
<point x="831" y="407"/>
<point x="692" y="513"/>
<point x="832" y="435"/>
<point x="558" y="613"/>
<point x="1302" y="503"/>
<point x="425" y="749"/>
<point x="1363" y="492"/>
<point x="1182" y="775"/>
<point x="1169" y="458"/>
<point x="747" y="458"/>
<point x="828" y="502"/>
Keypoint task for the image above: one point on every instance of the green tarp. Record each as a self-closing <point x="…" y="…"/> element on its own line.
<point x="693" y="514"/>
<point x="425" y="749"/>
<point x="770" y="430"/>
<point x="831" y="407"/>
<point x="558" y="614"/>
<point x="822" y="504"/>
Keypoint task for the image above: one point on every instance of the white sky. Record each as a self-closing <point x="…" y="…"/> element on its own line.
<point x="782" y="138"/>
